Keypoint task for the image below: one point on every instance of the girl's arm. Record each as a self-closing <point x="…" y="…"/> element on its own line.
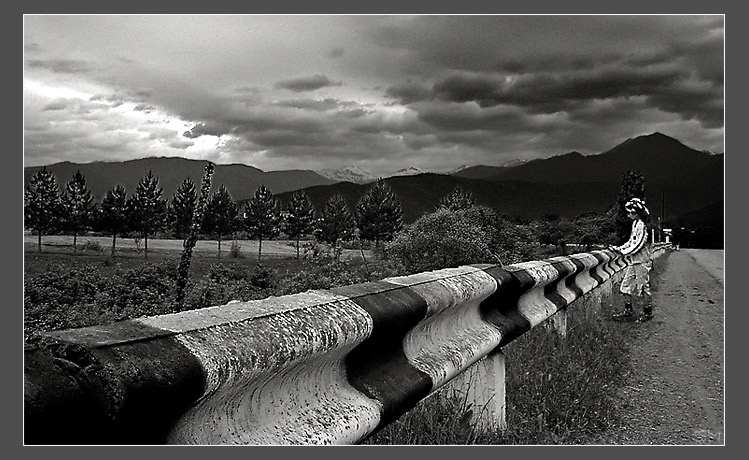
<point x="637" y="239"/>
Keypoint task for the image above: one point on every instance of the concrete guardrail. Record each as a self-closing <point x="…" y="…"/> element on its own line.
<point x="320" y="367"/>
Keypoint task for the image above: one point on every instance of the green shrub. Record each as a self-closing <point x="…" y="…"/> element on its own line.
<point x="69" y="297"/>
<point x="442" y="239"/>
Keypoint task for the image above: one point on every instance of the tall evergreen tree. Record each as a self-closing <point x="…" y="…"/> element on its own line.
<point x="78" y="205"/>
<point x="113" y="213"/>
<point x="337" y="223"/>
<point x="261" y="217"/>
<point x="632" y="186"/>
<point x="42" y="206"/>
<point x="300" y="217"/>
<point x="147" y="210"/>
<point x="182" y="208"/>
<point x="220" y="215"/>
<point x="379" y="215"/>
<point x="457" y="200"/>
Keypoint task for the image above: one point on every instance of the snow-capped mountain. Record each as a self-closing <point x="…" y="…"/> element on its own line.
<point x="457" y="170"/>
<point x="513" y="163"/>
<point x="348" y="174"/>
<point x="410" y="171"/>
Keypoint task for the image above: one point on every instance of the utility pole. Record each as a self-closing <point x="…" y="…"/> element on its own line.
<point x="663" y="214"/>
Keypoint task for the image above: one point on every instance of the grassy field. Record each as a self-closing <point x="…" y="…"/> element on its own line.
<point x="66" y="288"/>
<point x="129" y="248"/>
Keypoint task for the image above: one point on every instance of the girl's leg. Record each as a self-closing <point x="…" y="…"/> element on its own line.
<point x="647" y="304"/>
<point x="628" y="312"/>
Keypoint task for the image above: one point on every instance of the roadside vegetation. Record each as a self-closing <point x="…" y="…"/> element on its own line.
<point x="558" y="390"/>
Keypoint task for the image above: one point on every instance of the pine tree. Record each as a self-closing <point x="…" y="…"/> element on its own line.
<point x="182" y="208"/>
<point x="113" y="214"/>
<point x="220" y="215"/>
<point x="337" y="223"/>
<point x="42" y="206"/>
<point x="147" y="211"/>
<point x="300" y="217"/>
<point x="457" y="200"/>
<point x="77" y="206"/>
<point x="633" y="186"/>
<point x="379" y="215"/>
<point x="261" y="217"/>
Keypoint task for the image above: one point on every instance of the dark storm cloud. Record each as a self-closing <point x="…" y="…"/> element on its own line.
<point x="668" y="87"/>
<point x="469" y="118"/>
<point x="310" y="104"/>
<point x="495" y="61"/>
<point x="408" y="92"/>
<point x="530" y="43"/>
<point x="309" y="83"/>
<point x="415" y="86"/>
<point x="208" y="128"/>
<point x="484" y="90"/>
<point x="292" y="138"/>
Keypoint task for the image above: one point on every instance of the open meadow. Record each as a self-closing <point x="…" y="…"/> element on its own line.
<point x="67" y="288"/>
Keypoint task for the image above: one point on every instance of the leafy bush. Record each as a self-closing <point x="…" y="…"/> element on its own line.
<point x="62" y="298"/>
<point x="442" y="239"/>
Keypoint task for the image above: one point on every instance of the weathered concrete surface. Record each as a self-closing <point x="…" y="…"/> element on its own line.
<point x="96" y="385"/>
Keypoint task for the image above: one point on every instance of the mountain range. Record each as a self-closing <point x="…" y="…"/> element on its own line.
<point x="241" y="180"/>
<point x="348" y="174"/>
<point x="679" y="180"/>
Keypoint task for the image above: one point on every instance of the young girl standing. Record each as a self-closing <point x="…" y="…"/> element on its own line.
<point x="636" y="282"/>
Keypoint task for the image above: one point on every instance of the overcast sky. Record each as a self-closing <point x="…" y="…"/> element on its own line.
<point x="378" y="92"/>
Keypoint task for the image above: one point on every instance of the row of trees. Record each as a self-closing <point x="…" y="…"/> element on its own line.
<point x="378" y="215"/>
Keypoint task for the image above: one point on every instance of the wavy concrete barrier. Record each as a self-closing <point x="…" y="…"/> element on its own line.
<point x="320" y="367"/>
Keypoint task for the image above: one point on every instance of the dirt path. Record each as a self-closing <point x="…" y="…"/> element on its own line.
<point x="675" y="392"/>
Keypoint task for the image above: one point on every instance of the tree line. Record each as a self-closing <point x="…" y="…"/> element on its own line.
<point x="146" y="213"/>
<point x="458" y="231"/>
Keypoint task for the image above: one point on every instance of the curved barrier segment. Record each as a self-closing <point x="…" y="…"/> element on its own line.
<point x="320" y="367"/>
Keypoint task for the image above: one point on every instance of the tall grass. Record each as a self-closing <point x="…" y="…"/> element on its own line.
<point x="559" y="390"/>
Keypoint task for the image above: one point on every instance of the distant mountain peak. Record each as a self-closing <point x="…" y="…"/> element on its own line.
<point x="410" y="171"/>
<point x="651" y="144"/>
<point x="353" y="174"/>
<point x="458" y="169"/>
<point x="513" y="163"/>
